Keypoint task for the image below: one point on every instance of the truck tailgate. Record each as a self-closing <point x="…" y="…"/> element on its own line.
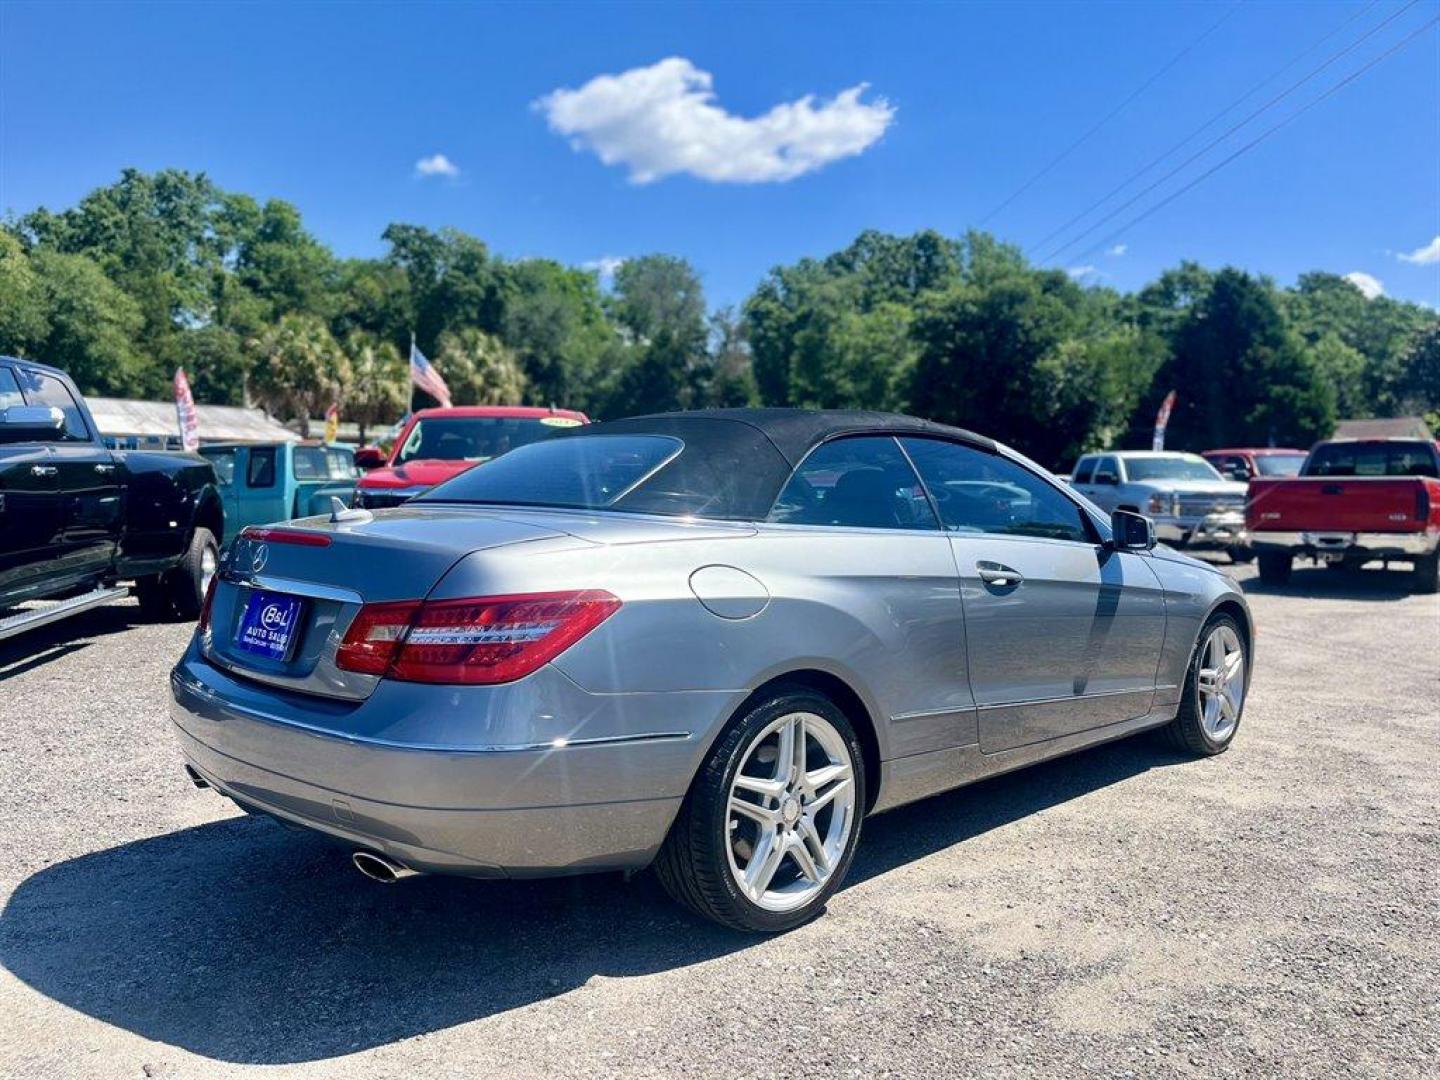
<point x="1338" y="504"/>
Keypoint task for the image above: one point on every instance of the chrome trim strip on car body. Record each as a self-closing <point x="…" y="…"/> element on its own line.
<point x="1069" y="697"/>
<point x="307" y="589"/>
<point x="203" y="692"/>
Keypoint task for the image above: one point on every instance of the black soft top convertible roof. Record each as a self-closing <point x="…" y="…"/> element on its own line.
<point x="793" y="432"/>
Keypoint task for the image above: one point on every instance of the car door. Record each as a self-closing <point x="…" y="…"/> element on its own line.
<point x="88" y="479"/>
<point x="29" y="504"/>
<point x="855" y="532"/>
<point x="263" y="495"/>
<point x="1064" y="632"/>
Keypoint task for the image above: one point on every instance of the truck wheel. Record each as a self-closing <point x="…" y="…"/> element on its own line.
<point x="179" y="593"/>
<point x="773" y="818"/>
<point x="1427" y="574"/>
<point x="1240" y="554"/>
<point x="1275" y="567"/>
<point x="1215" y="686"/>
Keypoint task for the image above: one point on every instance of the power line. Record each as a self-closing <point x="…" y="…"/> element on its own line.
<point x="1261" y="137"/>
<point x="1028" y="184"/>
<point x="1039" y="244"/>
<point x="1056" y="252"/>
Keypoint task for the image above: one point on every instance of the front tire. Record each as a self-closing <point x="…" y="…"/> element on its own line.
<point x="1216" y="686"/>
<point x="771" y="823"/>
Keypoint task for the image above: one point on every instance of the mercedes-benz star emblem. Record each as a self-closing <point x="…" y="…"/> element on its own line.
<point x="257" y="560"/>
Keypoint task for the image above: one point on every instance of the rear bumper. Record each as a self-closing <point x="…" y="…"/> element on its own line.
<point x="1338" y="545"/>
<point x="599" y="798"/>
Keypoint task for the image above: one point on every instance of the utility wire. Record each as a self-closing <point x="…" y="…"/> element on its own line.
<point x="1039" y="244"/>
<point x="1028" y="184"/>
<point x="1262" y="137"/>
<point x="1056" y="252"/>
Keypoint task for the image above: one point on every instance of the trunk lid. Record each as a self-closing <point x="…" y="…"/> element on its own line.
<point x="301" y="587"/>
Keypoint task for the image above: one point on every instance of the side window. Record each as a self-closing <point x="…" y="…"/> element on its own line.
<point x="261" y="471"/>
<point x="1084" y="469"/>
<point x="309" y="463"/>
<point x="48" y="390"/>
<point x="861" y="483"/>
<point x="1108" y="467"/>
<point x="224" y="462"/>
<point x="9" y="389"/>
<point x="980" y="492"/>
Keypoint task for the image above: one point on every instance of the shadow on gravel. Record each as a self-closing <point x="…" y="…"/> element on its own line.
<point x="35" y="648"/>
<point x="1322" y="583"/>
<point x="247" y="942"/>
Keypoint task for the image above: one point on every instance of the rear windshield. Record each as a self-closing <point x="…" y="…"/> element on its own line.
<point x="674" y="468"/>
<point x="1372" y="459"/>
<point x="324" y="463"/>
<point x="475" y="438"/>
<point x="1279" y="464"/>
<point x="1170" y="468"/>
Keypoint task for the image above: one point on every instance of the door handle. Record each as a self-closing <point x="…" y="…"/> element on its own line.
<point x="43" y="470"/>
<point x="104" y="468"/>
<point x="997" y="574"/>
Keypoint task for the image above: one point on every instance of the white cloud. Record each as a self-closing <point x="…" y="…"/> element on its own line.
<point x="605" y="266"/>
<point x="1368" y="284"/>
<point x="437" y="165"/>
<point x="661" y="120"/>
<point x="1423" y="256"/>
<point x="1118" y="250"/>
<point x="1079" y="272"/>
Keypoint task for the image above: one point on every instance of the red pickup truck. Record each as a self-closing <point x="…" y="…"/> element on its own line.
<point x="1355" y="501"/>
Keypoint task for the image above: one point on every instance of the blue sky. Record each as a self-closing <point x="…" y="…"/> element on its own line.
<point x="332" y="106"/>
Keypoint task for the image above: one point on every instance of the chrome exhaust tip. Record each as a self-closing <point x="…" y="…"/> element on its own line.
<point x="379" y="868"/>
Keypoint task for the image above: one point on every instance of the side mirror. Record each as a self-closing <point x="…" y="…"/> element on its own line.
<point x="1240" y="473"/>
<point x="31" y="423"/>
<point x="1130" y="531"/>
<point x="369" y="457"/>
<point x="1105" y="478"/>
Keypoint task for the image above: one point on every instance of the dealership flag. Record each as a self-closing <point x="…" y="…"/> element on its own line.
<point x="1162" y="418"/>
<point x="423" y="375"/>
<point x="332" y="422"/>
<point x="185" y="412"/>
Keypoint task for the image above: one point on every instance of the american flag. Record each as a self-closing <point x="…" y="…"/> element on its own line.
<point x="427" y="378"/>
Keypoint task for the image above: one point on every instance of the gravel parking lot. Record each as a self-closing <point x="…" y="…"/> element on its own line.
<point x="1123" y="911"/>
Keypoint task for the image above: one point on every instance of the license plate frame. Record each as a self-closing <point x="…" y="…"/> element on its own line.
<point x="270" y="625"/>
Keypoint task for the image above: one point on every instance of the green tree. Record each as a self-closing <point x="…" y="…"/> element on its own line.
<point x="479" y="369"/>
<point x="732" y="376"/>
<point x="378" y="390"/>
<point x="214" y="361"/>
<point x="555" y="323"/>
<point x="24" y="324"/>
<point x="1243" y="378"/>
<point x="298" y="370"/>
<point x="92" y="327"/>
<point x="1417" y="389"/>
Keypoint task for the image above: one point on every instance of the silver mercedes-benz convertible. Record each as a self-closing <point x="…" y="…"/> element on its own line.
<point x="707" y="642"/>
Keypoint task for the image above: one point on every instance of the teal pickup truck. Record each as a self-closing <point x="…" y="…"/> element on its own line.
<point x="265" y="482"/>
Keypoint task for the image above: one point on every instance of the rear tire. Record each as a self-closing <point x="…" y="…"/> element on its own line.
<point x="1275" y="567"/>
<point x="1240" y="554"/>
<point x="1426" y="575"/>
<point x="1213" y="700"/>
<point x="179" y="593"/>
<point x="798" y="855"/>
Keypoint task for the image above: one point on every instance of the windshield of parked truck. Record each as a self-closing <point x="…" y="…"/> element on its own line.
<point x="476" y="438"/>
<point x="1373" y="459"/>
<point x="1279" y="464"/>
<point x="1177" y="467"/>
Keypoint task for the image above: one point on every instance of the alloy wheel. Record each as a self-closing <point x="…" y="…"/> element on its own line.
<point x="1220" y="682"/>
<point x="791" y="811"/>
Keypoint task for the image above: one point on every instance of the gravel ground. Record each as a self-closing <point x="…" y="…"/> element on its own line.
<point x="1123" y="911"/>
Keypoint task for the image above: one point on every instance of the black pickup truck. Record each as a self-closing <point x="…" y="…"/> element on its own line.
<point x="76" y="518"/>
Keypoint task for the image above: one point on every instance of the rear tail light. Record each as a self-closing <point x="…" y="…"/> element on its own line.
<point x="270" y="534"/>
<point x="208" y="603"/>
<point x="1422" y="503"/>
<point x="483" y="640"/>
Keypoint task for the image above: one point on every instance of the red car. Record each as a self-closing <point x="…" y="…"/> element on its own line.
<point x="1355" y="501"/>
<point x="1246" y="463"/>
<point x="437" y="444"/>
